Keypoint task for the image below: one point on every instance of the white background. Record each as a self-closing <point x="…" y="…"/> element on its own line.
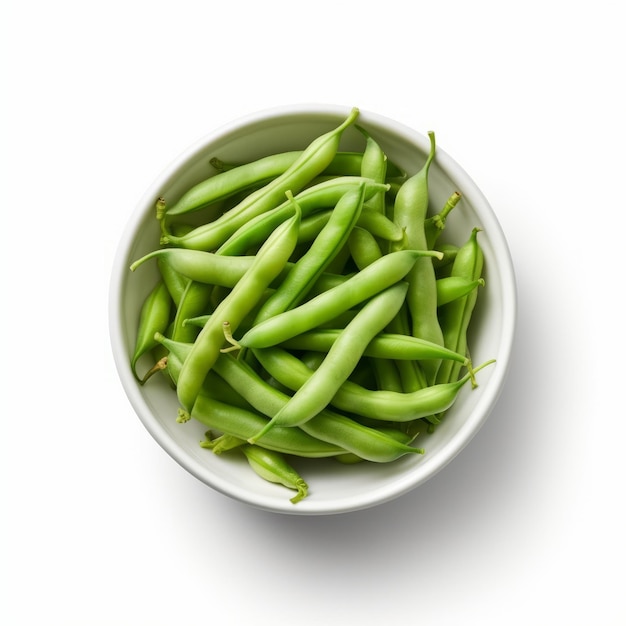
<point x="99" y="526"/>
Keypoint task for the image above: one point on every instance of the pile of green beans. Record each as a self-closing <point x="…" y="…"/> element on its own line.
<point x="309" y="309"/>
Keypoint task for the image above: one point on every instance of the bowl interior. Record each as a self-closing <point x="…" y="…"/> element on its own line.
<point x="334" y="488"/>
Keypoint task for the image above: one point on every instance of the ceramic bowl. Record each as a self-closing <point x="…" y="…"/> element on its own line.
<point x="333" y="487"/>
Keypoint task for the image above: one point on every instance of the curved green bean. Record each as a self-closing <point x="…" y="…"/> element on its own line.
<point x="154" y="316"/>
<point x="232" y="181"/>
<point x="273" y="467"/>
<point x="435" y="224"/>
<point x="452" y="288"/>
<point x="375" y="404"/>
<point x="409" y="211"/>
<point x="456" y="316"/>
<point x="383" y="346"/>
<point x="381" y="274"/>
<point x="201" y="266"/>
<point x="269" y="262"/>
<point x="345" y="353"/>
<point x="243" y="424"/>
<point x="313" y="160"/>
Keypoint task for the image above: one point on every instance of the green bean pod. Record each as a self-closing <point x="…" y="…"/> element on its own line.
<point x="153" y="317"/>
<point x="221" y="443"/>
<point x="175" y="282"/>
<point x="381" y="274"/>
<point x="387" y="375"/>
<point x="443" y="266"/>
<point x="380" y="404"/>
<point x="409" y="212"/>
<point x="273" y="467"/>
<point x="393" y="346"/>
<point x="234" y="180"/>
<point x="313" y="160"/>
<point x="268" y="263"/>
<point x="456" y="316"/>
<point x="452" y="288"/>
<point x="364" y="248"/>
<point x="196" y="300"/>
<point x="435" y="224"/>
<point x="243" y="423"/>
<point x="380" y="226"/>
<point x="349" y="458"/>
<point x="374" y="166"/>
<point x="340" y="361"/>
<point x="324" y="248"/>
<point x="312" y="225"/>
<point x="201" y="266"/>
<point x="367" y="443"/>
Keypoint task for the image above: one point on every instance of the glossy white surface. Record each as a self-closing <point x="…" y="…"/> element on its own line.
<point x="334" y="488"/>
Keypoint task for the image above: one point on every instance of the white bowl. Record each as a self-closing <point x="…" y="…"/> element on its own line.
<point x="333" y="487"/>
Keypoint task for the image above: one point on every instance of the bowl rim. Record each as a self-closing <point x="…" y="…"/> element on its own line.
<point x="419" y="474"/>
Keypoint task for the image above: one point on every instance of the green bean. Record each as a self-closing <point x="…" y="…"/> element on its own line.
<point x="324" y="248"/>
<point x="339" y="261"/>
<point x="443" y="265"/>
<point x="175" y="282"/>
<point x="160" y="365"/>
<point x="242" y="423"/>
<point x="341" y="359"/>
<point x="312" y="225"/>
<point x="273" y="467"/>
<point x="269" y="262"/>
<point x="221" y="443"/>
<point x="313" y="160"/>
<point x="375" y="404"/>
<point x="312" y="359"/>
<point x="177" y="352"/>
<point x="409" y="211"/>
<point x="364" y="248"/>
<point x="232" y="181"/>
<point x="456" y="316"/>
<point x="214" y="269"/>
<point x="452" y="288"/>
<point x="383" y="346"/>
<point x="374" y="166"/>
<point x="196" y="300"/>
<point x="387" y="375"/>
<point x="349" y="458"/>
<point x="153" y="317"/>
<point x="215" y="388"/>
<point x="351" y="164"/>
<point x="324" y="307"/>
<point x="434" y="225"/>
<point x="311" y="200"/>
<point x="201" y="266"/>
<point x="368" y="443"/>
<point x="380" y="226"/>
